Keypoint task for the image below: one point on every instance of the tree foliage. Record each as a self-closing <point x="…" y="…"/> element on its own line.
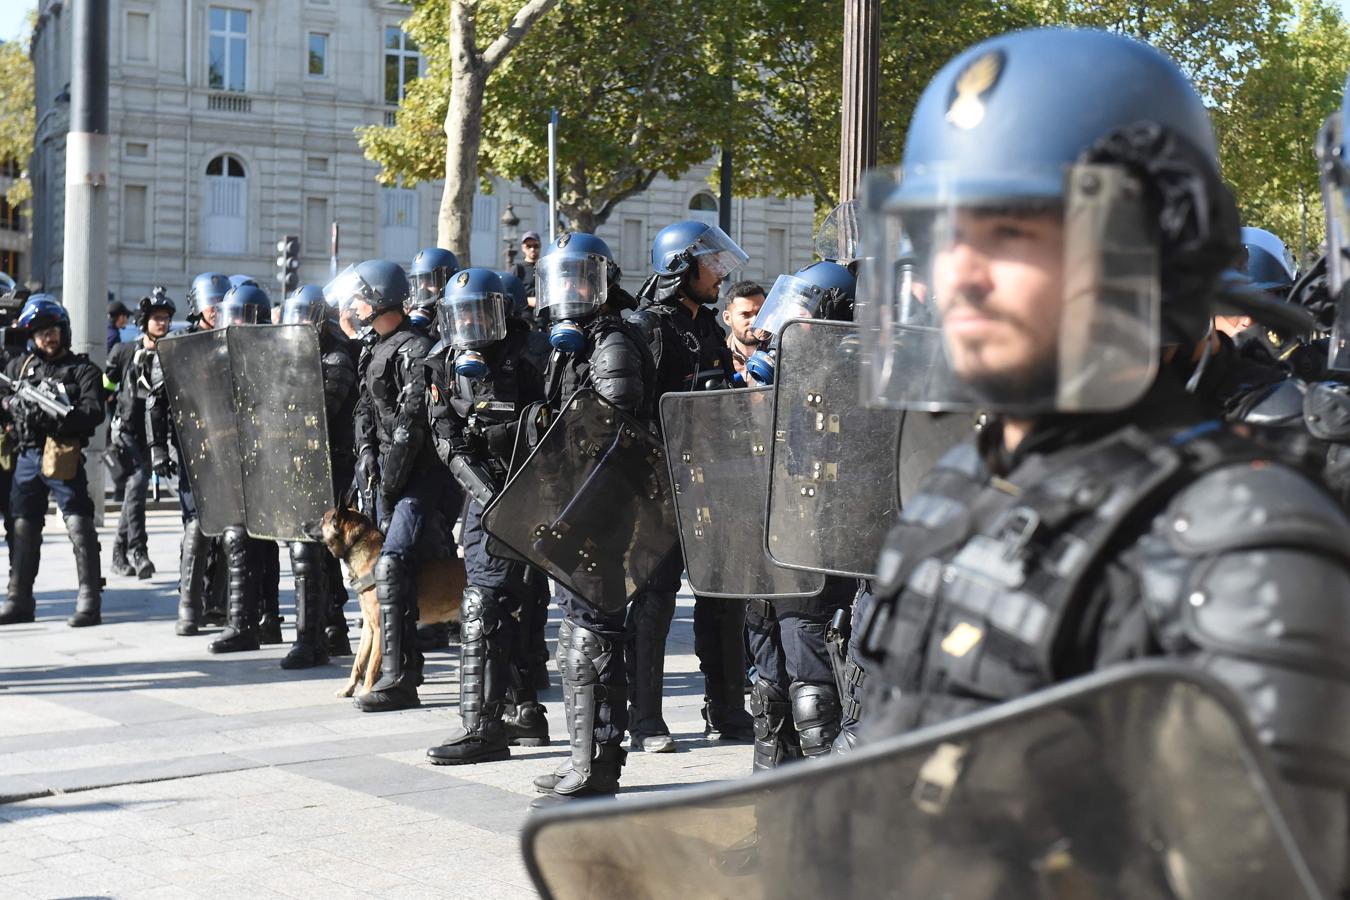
<point x="17" y="104"/>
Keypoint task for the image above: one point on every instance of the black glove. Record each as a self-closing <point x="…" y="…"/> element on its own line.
<point x="162" y="462"/>
<point x="367" y="469"/>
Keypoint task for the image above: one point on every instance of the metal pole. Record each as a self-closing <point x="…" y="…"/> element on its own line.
<point x="552" y="175"/>
<point x="724" y="201"/>
<point x="333" y="253"/>
<point x="85" y="273"/>
<point x="862" y="75"/>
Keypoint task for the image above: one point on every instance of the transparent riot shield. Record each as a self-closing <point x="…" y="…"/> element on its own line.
<point x="833" y="486"/>
<point x="592" y="504"/>
<point x="924" y="438"/>
<point x="201" y="399"/>
<point x="285" y="465"/>
<point x="718" y="446"/>
<point x="1143" y="782"/>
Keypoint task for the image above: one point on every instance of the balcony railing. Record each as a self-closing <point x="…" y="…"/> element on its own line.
<point x="230" y="102"/>
<point x="390" y="118"/>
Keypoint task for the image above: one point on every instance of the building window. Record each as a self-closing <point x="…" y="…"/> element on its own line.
<point x="137" y="150"/>
<point x="137" y="37"/>
<point x="703" y="208"/>
<point x="632" y="249"/>
<point x="401" y="63"/>
<point x="134" y="213"/>
<point x="398" y="223"/>
<point x="776" y="253"/>
<point x="318" y="55"/>
<point x="10" y="219"/>
<point x="225" y="225"/>
<point x="316" y="164"/>
<point x="316" y="242"/>
<point x="9" y="263"/>
<point x="228" y="49"/>
<point x="10" y="169"/>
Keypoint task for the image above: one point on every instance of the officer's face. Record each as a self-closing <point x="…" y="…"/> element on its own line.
<point x="209" y="316"/>
<point x="740" y="315"/>
<point x="48" y="340"/>
<point x="703" y="284"/>
<point x="998" y="285"/>
<point x="158" y="324"/>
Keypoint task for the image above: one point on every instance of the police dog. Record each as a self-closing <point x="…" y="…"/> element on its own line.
<point x="356" y="542"/>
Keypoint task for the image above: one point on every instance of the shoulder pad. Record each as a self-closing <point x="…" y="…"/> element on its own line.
<point x="1255" y="505"/>
<point x="418" y="344"/>
<point x="1326" y="411"/>
<point x="646" y="321"/>
<point x="1283" y="405"/>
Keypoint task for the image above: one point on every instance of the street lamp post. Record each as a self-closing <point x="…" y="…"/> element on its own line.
<point x="862" y="77"/>
<point x="509" y="221"/>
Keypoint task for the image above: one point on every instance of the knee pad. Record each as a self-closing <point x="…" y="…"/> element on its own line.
<point x="389" y="571"/>
<point x="769" y="707"/>
<point x="816" y="714"/>
<point x="588" y="655"/>
<point x="304" y="557"/>
<point x="480" y="614"/>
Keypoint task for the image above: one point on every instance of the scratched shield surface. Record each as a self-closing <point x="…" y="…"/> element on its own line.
<point x="282" y="430"/>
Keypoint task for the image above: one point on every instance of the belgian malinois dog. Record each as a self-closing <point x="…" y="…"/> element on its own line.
<point x="356" y="542"/>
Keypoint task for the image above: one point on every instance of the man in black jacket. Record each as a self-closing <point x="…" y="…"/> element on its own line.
<point x="51" y="461"/>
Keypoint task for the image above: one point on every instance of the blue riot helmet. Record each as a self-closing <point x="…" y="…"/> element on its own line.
<point x="473" y="315"/>
<point x="208" y="289"/>
<point x="679" y="245"/>
<point x="1026" y="147"/>
<point x="368" y="289"/>
<point x="306" y="305"/>
<point x="572" y="281"/>
<point x="1269" y="264"/>
<point x="430" y="272"/>
<point x="245" y="304"/>
<point x="42" y="311"/>
<point x="819" y="290"/>
<point x="244" y="280"/>
<point x="515" y="292"/>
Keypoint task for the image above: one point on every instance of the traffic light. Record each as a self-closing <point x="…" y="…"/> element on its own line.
<point x="288" y="263"/>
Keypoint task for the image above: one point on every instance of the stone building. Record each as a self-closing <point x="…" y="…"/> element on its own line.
<point x="233" y="124"/>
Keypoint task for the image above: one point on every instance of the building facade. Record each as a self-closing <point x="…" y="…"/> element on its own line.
<point x="233" y="124"/>
<point x="15" y="251"/>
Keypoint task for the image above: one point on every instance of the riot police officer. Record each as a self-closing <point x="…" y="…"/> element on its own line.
<point x="795" y="701"/>
<point x="252" y="567"/>
<point x="1069" y="230"/>
<point x="431" y="270"/>
<point x="132" y="375"/>
<point x="204" y="296"/>
<point x="318" y="580"/>
<point x="689" y="261"/>
<point x="396" y="460"/>
<point x="51" y="460"/>
<point x="480" y="387"/>
<point x="578" y="290"/>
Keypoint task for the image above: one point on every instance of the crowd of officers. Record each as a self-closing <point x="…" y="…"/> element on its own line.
<point x="1148" y="475"/>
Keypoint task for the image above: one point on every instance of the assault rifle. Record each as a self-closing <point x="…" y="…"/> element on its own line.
<point x="48" y="396"/>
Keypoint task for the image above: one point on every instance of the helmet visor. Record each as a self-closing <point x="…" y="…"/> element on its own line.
<point x="473" y="320"/>
<point x="427" y="288"/>
<point x="984" y="299"/>
<point x="304" y="311"/>
<point x="571" y="286"/>
<point x="234" y="312"/>
<point x="715" y="249"/>
<point x="349" y="293"/>
<point x="789" y="298"/>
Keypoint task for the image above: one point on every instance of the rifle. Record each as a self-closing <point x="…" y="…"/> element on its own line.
<point x="50" y="397"/>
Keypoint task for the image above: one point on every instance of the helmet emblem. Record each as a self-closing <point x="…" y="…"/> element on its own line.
<point x="463" y="278"/>
<point x="562" y="240"/>
<point x="966" y="107"/>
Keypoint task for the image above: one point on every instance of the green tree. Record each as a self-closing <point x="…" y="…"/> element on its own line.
<point x="17" y="105"/>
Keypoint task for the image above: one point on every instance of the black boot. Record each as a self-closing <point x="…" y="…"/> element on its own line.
<point x="336" y="634"/>
<point x="527" y="725"/>
<point x="719" y="642"/>
<point x="120" y="564"/>
<point x="399" y="671"/>
<point x="595" y="768"/>
<point x="88" y="571"/>
<point x="645" y="657"/>
<point x="311" y="608"/>
<point x="546" y="783"/>
<point x="192" y="562"/>
<point x="25" y="547"/>
<point x="815" y="714"/>
<point x="141" y="564"/>
<point x="775" y="739"/>
<point x="216" y="593"/>
<point x="269" y="590"/>
<point x="484" y="651"/>
<point x="240" y="632"/>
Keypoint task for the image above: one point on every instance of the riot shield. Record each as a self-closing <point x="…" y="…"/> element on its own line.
<point x="198" y="387"/>
<point x="1143" y="782"/>
<point x="592" y="505"/>
<point x="833" y="486"/>
<point x="285" y="465"/>
<point x="924" y="438"/>
<point x="718" y="446"/>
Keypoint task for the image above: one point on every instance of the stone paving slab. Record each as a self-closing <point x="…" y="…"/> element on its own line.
<point x="137" y="765"/>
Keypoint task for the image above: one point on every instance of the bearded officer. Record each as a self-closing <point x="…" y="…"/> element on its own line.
<point x="1072" y="230"/>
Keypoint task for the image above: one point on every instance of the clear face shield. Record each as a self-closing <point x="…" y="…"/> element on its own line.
<point x="1335" y="177"/>
<point x="473" y="320"/>
<point x="235" y="312"/>
<point x="976" y="295"/>
<point x="305" y="311"/>
<point x="714" y="249"/>
<point x="350" y="295"/>
<point x="789" y="298"/>
<point x="427" y="289"/>
<point x="571" y="287"/>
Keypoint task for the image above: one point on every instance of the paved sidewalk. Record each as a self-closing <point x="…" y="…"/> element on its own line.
<point x="152" y="769"/>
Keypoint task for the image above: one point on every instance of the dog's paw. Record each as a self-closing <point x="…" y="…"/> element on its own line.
<point x="346" y="691"/>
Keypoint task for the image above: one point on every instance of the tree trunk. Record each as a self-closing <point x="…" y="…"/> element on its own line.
<point x="463" y="136"/>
